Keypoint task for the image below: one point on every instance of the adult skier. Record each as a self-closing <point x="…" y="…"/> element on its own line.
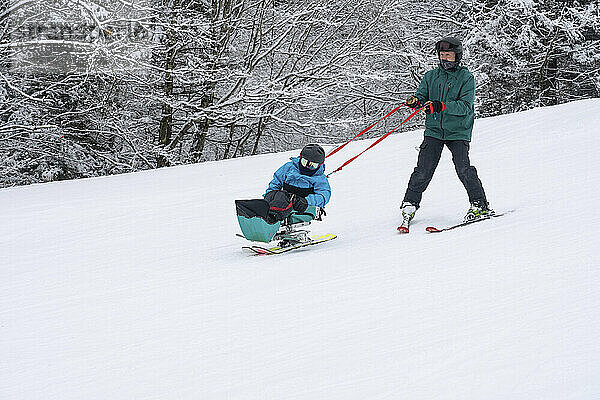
<point x="448" y="93"/>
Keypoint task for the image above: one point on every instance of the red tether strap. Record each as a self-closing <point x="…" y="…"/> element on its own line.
<point x="364" y="130"/>
<point x="288" y="206"/>
<point x="378" y="140"/>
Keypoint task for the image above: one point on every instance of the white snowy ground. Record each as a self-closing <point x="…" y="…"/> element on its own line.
<point x="135" y="286"/>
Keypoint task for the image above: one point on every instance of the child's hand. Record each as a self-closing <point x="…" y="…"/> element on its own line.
<point x="300" y="204"/>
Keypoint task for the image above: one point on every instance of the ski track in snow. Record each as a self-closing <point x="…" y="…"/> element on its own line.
<point x="135" y="287"/>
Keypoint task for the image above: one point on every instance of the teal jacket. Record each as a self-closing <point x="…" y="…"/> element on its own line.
<point x="456" y="89"/>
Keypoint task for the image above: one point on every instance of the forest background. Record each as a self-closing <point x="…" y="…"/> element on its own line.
<point x="99" y="87"/>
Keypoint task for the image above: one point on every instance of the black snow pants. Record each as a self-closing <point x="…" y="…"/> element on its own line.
<point x="429" y="157"/>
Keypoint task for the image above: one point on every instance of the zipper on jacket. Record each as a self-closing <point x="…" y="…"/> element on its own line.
<point x="444" y="100"/>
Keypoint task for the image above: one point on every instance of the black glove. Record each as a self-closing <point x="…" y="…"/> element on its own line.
<point x="435" y="106"/>
<point x="300" y="204"/>
<point x="413" y="102"/>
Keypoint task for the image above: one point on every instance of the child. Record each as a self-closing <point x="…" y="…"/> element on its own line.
<point x="299" y="186"/>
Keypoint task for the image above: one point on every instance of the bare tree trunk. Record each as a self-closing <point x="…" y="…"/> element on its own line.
<point x="259" y="130"/>
<point x="229" y="142"/>
<point x="166" y="122"/>
<point x="203" y="125"/>
<point x="165" y="130"/>
<point x="549" y="83"/>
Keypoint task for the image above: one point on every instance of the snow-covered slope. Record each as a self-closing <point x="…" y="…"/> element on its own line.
<point x="135" y="287"/>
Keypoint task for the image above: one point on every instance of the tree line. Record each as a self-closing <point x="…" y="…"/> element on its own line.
<point x="99" y="87"/>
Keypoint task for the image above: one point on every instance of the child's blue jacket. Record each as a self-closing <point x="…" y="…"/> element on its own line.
<point x="290" y="173"/>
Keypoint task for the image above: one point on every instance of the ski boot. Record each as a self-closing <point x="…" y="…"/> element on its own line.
<point x="479" y="209"/>
<point x="408" y="213"/>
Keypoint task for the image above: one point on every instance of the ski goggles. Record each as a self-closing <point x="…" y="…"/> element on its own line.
<point x="309" y="164"/>
<point x="445" y="46"/>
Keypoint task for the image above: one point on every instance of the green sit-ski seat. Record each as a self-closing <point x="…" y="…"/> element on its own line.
<point x="252" y="217"/>
<point x="257" y="229"/>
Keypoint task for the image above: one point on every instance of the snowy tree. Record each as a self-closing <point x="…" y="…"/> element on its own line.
<point x="102" y="87"/>
<point x="530" y="54"/>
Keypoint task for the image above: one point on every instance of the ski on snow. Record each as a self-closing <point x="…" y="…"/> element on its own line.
<point x="433" y="229"/>
<point x="266" y="251"/>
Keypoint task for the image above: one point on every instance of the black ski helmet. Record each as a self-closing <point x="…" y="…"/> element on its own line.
<point x="313" y="152"/>
<point x="450" y="44"/>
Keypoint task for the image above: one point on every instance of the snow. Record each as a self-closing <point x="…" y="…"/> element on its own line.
<point x="135" y="287"/>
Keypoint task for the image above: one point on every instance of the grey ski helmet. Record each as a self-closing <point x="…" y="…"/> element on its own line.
<point x="450" y="44"/>
<point x="313" y="152"/>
